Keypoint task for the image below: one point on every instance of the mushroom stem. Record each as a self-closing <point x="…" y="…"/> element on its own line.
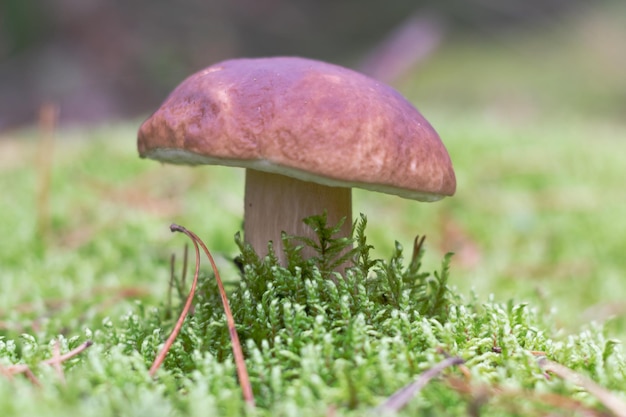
<point x="276" y="203"/>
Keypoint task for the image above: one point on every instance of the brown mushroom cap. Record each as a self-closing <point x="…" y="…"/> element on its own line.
<point x="301" y="118"/>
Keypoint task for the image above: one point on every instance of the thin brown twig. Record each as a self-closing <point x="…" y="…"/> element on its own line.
<point x="481" y="393"/>
<point x="31" y="377"/>
<point x="5" y="372"/>
<point x="461" y="366"/>
<point x="70" y="354"/>
<point x="171" y="283"/>
<point x="181" y="319"/>
<point x="242" y="372"/>
<point x="612" y="402"/>
<point x="48" y="115"/>
<point x="400" y="398"/>
<point x="56" y="354"/>
<point x="55" y="361"/>
<point x="183" y="277"/>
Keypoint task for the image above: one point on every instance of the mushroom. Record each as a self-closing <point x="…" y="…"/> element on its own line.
<point x="306" y="132"/>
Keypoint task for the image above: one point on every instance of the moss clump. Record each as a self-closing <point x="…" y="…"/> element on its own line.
<point x="316" y="340"/>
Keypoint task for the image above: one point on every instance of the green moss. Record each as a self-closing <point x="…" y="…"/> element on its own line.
<point x="313" y="344"/>
<point x="539" y="197"/>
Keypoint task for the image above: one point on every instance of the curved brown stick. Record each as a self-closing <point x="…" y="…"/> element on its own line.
<point x="181" y="319"/>
<point x="242" y="372"/>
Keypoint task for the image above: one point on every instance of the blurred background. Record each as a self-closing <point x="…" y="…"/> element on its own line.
<point x="104" y="59"/>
